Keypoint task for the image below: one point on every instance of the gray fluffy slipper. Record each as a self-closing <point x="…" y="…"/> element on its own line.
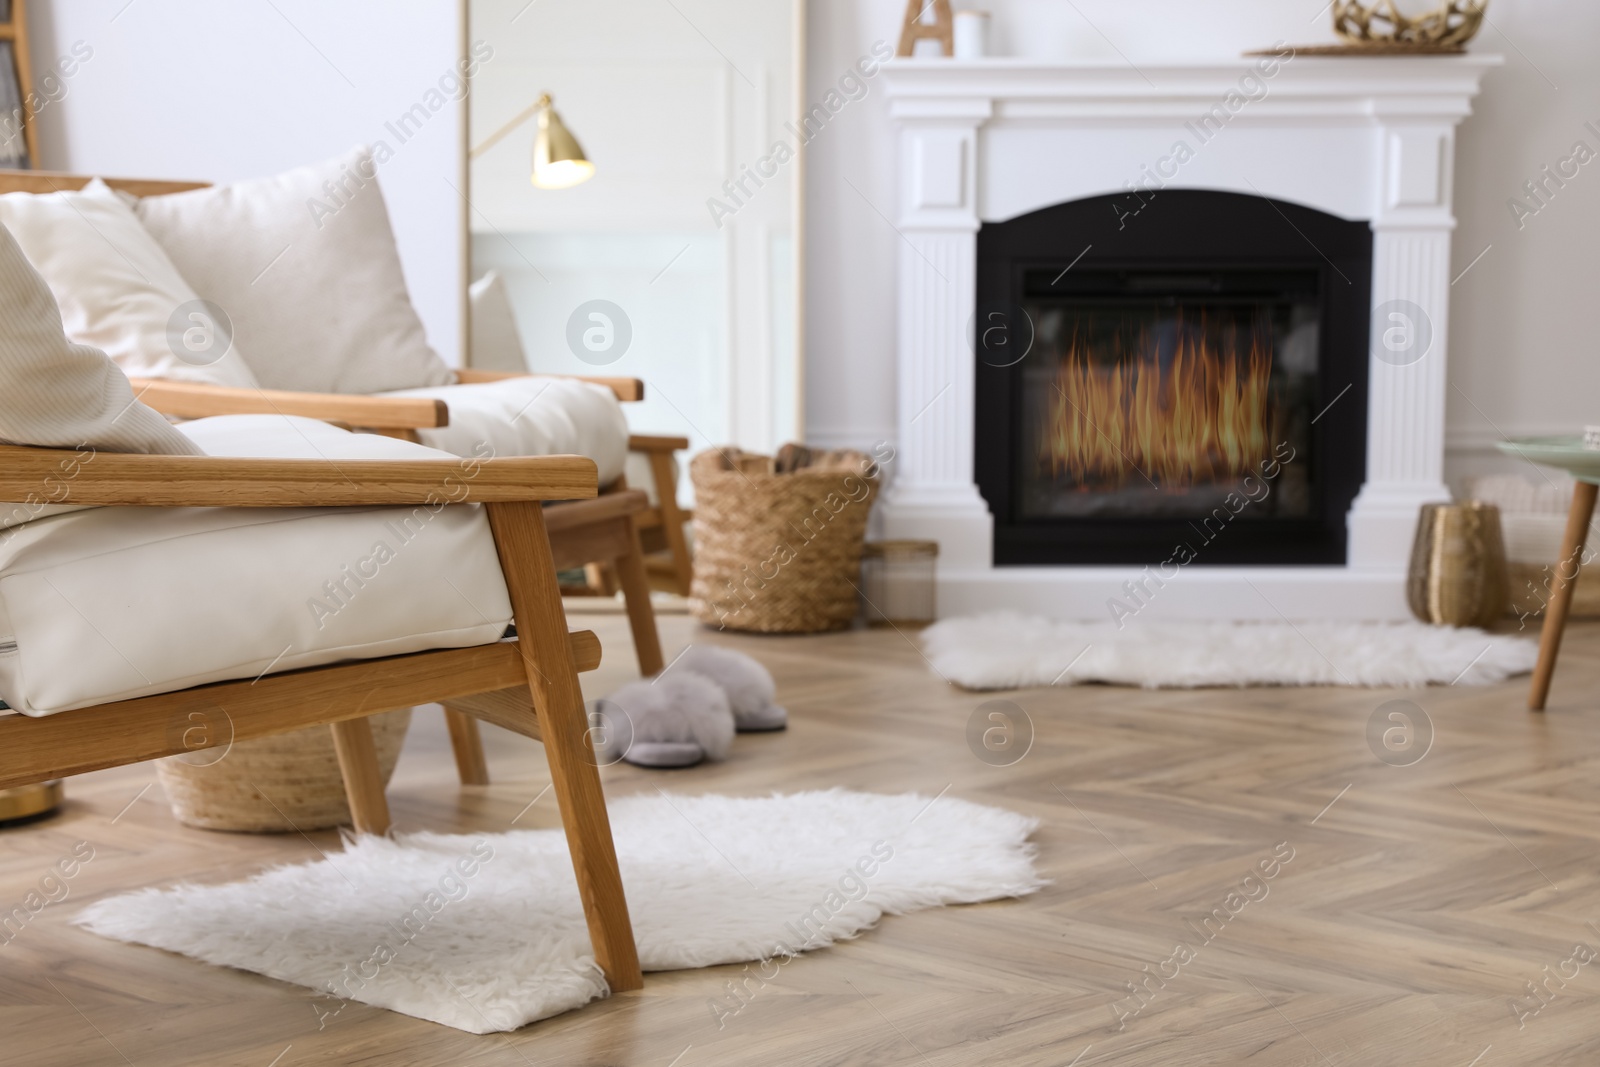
<point x="675" y="720"/>
<point x="750" y="688"/>
<point x="689" y="712"/>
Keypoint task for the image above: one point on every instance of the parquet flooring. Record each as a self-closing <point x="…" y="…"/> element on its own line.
<point x="1419" y="900"/>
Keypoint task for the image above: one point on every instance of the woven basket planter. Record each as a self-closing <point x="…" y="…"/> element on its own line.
<point x="1458" y="565"/>
<point x="298" y="772"/>
<point x="778" y="543"/>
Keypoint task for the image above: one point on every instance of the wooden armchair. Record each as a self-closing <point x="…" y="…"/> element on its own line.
<point x="605" y="537"/>
<point x="528" y="684"/>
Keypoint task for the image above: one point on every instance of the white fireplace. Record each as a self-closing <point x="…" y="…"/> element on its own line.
<point x="1368" y="139"/>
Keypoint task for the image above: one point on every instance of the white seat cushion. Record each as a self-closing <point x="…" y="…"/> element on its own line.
<point x="532" y="416"/>
<point x="112" y="603"/>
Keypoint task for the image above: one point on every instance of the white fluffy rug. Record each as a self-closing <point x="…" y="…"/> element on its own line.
<point x="1006" y="650"/>
<point x="485" y="932"/>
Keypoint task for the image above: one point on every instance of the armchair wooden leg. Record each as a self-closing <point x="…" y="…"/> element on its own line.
<point x="1566" y="580"/>
<point x="523" y="544"/>
<point x="468" y="746"/>
<point x="641" y="614"/>
<point x="363" y="781"/>
<point x="672" y="520"/>
<point x="601" y="581"/>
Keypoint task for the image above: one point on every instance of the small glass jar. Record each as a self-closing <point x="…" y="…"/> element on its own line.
<point x="898" y="582"/>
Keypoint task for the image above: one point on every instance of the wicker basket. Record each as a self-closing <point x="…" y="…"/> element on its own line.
<point x="298" y="772"/>
<point x="778" y="543"/>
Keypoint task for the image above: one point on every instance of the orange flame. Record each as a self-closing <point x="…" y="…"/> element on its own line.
<point x="1206" y="418"/>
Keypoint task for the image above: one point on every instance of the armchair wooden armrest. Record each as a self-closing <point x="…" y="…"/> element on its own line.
<point x="61" y="476"/>
<point x="627" y="389"/>
<point x="196" y="400"/>
<point x="653" y="443"/>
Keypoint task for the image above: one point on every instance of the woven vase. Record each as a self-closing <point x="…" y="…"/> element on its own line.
<point x="297" y="772"/>
<point x="779" y="553"/>
<point x="1458" y="566"/>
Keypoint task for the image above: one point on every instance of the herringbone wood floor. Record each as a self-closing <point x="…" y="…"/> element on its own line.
<point x="1414" y="910"/>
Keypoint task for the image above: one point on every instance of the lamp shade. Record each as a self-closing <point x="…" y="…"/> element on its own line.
<point x="558" y="159"/>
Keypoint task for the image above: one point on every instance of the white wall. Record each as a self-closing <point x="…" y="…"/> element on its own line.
<point x="1522" y="346"/>
<point x="187" y="88"/>
<point x="221" y="91"/>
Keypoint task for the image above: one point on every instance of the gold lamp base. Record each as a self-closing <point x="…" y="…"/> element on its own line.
<point x="27" y="801"/>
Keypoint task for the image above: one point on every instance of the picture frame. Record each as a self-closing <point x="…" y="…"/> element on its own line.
<point x="19" y="141"/>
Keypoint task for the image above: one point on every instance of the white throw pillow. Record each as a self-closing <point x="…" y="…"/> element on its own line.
<point x="305" y="264"/>
<point x="56" y="394"/>
<point x="117" y="289"/>
<point x="496" y="341"/>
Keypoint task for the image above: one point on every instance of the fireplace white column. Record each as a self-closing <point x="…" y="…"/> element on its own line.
<point x="934" y="494"/>
<point x="1410" y="326"/>
<point x="1367" y="138"/>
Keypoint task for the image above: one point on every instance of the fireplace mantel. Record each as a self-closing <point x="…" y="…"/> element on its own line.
<point x="1362" y="138"/>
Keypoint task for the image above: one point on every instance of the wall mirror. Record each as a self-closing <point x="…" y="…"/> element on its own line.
<point x="633" y="195"/>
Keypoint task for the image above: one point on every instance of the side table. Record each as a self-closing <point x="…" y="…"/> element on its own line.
<point x="1570" y="455"/>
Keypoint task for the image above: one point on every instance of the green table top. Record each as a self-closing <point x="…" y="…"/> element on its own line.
<point x="1566" y="453"/>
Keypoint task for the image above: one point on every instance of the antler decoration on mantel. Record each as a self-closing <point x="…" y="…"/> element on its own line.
<point x="1449" y="26"/>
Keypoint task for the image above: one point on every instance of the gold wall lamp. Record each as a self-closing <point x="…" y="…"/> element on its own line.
<point x="558" y="159"/>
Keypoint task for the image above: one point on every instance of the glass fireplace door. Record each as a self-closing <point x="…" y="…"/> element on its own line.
<point x="1159" y="394"/>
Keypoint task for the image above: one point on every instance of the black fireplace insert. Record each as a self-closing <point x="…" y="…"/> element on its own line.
<point x="1180" y="373"/>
